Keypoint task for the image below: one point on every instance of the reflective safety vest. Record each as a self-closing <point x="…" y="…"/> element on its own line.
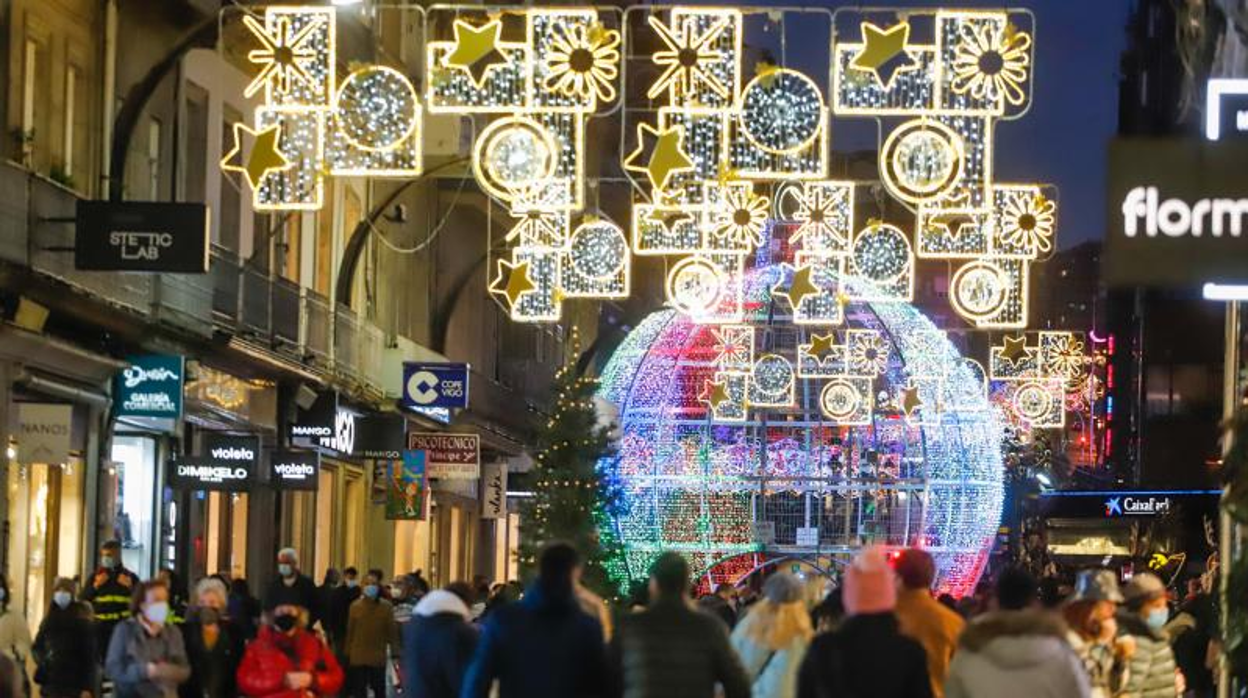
<point x="110" y="592"/>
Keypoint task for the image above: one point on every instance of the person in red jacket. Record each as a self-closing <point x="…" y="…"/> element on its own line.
<point x="287" y="661"/>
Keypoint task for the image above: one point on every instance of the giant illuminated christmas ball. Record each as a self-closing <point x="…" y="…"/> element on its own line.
<point x="762" y="439"/>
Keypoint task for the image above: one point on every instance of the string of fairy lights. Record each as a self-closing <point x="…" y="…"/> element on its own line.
<point x="788" y="291"/>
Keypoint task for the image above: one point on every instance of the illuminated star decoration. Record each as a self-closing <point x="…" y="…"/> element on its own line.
<point x="909" y="400"/>
<point x="801" y="286"/>
<point x="265" y="157"/>
<point x="1015" y="349"/>
<point x="884" y="52"/>
<point x="684" y="58"/>
<point x="952" y="222"/>
<point x="667" y="156"/>
<point x="669" y="219"/>
<point x="714" y="393"/>
<point x="282" y="53"/>
<point x="820" y="347"/>
<point x="476" y="50"/>
<point x="512" y="281"/>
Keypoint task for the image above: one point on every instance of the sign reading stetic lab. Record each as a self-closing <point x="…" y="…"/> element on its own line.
<point x="142" y="236"/>
<point x="450" y="456"/>
<point x="200" y="473"/>
<point x="435" y="385"/>
<point x="494" y="490"/>
<point x="1178" y="213"/>
<point x="294" y="470"/>
<point x="151" y="386"/>
<point x="43" y="432"/>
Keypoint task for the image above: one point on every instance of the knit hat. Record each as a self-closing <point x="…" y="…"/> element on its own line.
<point x="1096" y="585"/>
<point x="1143" y="587"/>
<point x="869" y="583"/>
<point x="782" y="587"/>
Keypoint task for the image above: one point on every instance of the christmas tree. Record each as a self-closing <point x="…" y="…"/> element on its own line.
<point x="571" y="501"/>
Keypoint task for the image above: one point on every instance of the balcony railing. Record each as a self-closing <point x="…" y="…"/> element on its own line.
<point x="235" y="298"/>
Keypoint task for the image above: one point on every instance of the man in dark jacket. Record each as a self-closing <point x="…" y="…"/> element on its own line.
<point x="438" y="643"/>
<point x="109" y="592"/>
<point x="673" y="650"/>
<point x="335" y="619"/>
<point x="545" y="646"/>
<point x="292" y="587"/>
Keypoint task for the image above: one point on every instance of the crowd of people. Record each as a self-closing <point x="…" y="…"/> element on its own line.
<point x="880" y="632"/>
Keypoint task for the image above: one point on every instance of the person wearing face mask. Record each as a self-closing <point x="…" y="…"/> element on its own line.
<point x="287" y="661"/>
<point x="214" y="644"/>
<point x="1151" y="672"/>
<point x="146" y="657"/>
<point x="340" y="600"/>
<point x="109" y="592"/>
<point x="1092" y="634"/>
<point x="65" y="636"/>
<point x="292" y="587"/>
<point x="370" y="630"/>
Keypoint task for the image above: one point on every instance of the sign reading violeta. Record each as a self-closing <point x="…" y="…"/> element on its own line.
<point x="450" y="456"/>
<point x="1178" y="213"/>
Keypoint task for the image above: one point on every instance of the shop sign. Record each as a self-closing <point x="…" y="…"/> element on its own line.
<point x="327" y="424"/>
<point x="294" y="470"/>
<point x="230" y="449"/>
<point x="1115" y="504"/>
<point x="44" y="432"/>
<point x="494" y="490"/>
<point x="1178" y="213"/>
<point x="151" y="386"/>
<point x="435" y="385"/>
<point x="407" y="488"/>
<point x="380" y="436"/>
<point x="1226" y="108"/>
<point x="168" y="237"/>
<point x="1137" y="506"/>
<point x="200" y="473"/>
<point x="451" y="456"/>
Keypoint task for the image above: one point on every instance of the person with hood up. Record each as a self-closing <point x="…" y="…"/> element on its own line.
<point x="288" y="661"/>
<point x="922" y="617"/>
<point x="438" y="644"/>
<point x="867" y="656"/>
<point x="1018" y="650"/>
<point x="772" y="638"/>
<point x="1151" y="671"/>
<point x="544" y="646"/>
<point x="1092" y="634"/>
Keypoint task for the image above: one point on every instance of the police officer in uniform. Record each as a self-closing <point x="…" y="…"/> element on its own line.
<point x="109" y="592"/>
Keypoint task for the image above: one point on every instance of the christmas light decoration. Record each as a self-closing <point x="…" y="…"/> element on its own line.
<point x="1031" y="379"/>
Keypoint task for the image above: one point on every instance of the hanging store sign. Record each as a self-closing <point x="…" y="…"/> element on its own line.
<point x="167" y="237"/>
<point x="294" y="470"/>
<point x="207" y="474"/>
<point x="44" y="432"/>
<point x="1226" y="108"/>
<point x="428" y="385"/>
<point x="451" y="456"/>
<point x="380" y="436"/>
<point x="407" y="487"/>
<point x="1178" y="213"/>
<point x="150" y="387"/>
<point x="327" y="424"/>
<point x="1115" y="504"/>
<point x="494" y="490"/>
<point x="230" y="449"/>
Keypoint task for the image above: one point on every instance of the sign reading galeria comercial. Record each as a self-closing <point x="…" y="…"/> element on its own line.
<point x="1178" y="213"/>
<point x="151" y="386"/>
<point x="450" y="456"/>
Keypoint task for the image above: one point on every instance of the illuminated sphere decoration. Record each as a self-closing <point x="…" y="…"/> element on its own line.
<point x="837" y="453"/>
<point x="377" y="108"/>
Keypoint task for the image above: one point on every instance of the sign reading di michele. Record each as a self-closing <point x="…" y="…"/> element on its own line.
<point x="1178" y="213"/>
<point x="151" y="386"/>
<point x="207" y="473"/>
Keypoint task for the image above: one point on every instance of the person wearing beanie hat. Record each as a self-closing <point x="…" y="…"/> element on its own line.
<point x="1093" y="631"/>
<point x="922" y="617"/>
<point x="1151" y="670"/>
<point x="772" y="638"/>
<point x="867" y="655"/>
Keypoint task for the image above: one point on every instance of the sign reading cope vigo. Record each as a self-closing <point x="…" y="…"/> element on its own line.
<point x="435" y="385"/>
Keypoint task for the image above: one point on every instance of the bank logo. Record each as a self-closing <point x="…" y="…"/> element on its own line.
<point x="1177" y="218"/>
<point x="1113" y="506"/>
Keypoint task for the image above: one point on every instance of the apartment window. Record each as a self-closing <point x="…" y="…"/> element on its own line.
<point x="30" y="78"/>
<point x="324" y="252"/>
<point x="71" y="116"/>
<point x="196" y="178"/>
<point x="230" y="216"/>
<point x="153" y="159"/>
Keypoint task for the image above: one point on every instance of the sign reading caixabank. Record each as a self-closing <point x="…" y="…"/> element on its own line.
<point x="151" y="386"/>
<point x="1178" y="213"/>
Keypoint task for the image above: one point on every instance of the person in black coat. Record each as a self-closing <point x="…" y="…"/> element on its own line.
<point x="243" y="609"/>
<point x="438" y="643"/>
<point x="544" y="646"/>
<point x="64" y="646"/>
<point x="867" y="655"/>
<point x="335" y="619"/>
<point x="214" y="644"/>
<point x="292" y="587"/>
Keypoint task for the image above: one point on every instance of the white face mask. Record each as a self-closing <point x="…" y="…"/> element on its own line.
<point x="157" y="613"/>
<point x="62" y="599"/>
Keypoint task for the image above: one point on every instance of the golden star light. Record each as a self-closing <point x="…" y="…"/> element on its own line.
<point x="801" y="286"/>
<point x="265" y="156"/>
<point x="884" y="52"/>
<point x="512" y="281"/>
<point x="667" y="154"/>
<point x="476" y="50"/>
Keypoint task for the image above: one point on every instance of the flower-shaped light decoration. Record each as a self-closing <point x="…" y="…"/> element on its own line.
<point x="583" y="62"/>
<point x="685" y="57"/>
<point x="1028" y="222"/>
<point x="868" y="355"/>
<point x="743" y="217"/>
<point x="992" y="62"/>
<point x="1068" y="358"/>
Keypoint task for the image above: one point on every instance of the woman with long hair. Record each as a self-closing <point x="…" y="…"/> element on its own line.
<point x="772" y="638"/>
